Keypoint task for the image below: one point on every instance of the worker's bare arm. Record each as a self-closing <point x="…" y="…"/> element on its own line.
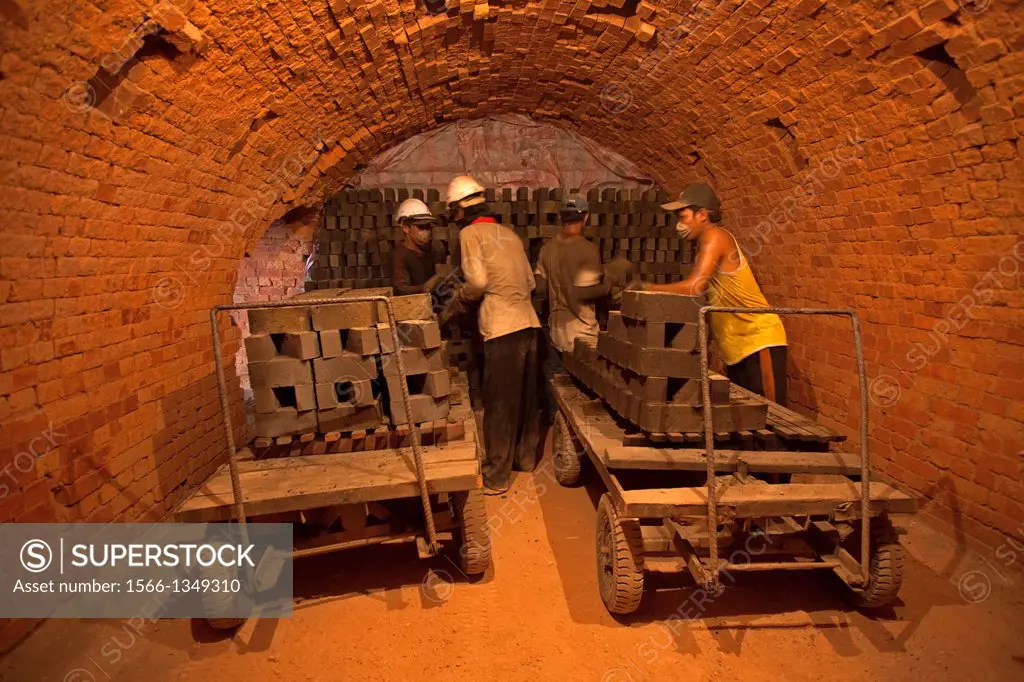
<point x="593" y="293"/>
<point x="710" y="255"/>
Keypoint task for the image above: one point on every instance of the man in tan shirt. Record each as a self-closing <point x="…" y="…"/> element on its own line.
<point x="569" y="274"/>
<point x="498" y="275"/>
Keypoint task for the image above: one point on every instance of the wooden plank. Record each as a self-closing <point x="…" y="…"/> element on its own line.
<point x="789" y="423"/>
<point x="746" y="501"/>
<point x="272" y="486"/>
<point x="456" y="431"/>
<point x="759" y="461"/>
<point x="456" y="451"/>
<point x="766" y="440"/>
<point x="656" y="539"/>
<point x="635" y="439"/>
<point x="219" y="487"/>
<point x="378" y="510"/>
<point x="289" y="493"/>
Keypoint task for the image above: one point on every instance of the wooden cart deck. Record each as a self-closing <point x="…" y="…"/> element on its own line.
<point x="602" y="437"/>
<point x="306" y="482"/>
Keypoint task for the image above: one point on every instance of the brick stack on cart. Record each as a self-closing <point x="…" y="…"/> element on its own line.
<point x="358" y="233"/>
<point x="686" y="496"/>
<point x="646" y="366"/>
<point x="325" y="377"/>
<point x="343" y="450"/>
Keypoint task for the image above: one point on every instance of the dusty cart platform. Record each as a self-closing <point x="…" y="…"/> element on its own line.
<point x="296" y="483"/>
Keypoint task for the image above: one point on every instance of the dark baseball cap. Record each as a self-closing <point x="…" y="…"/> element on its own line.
<point x="700" y="195"/>
<point x="574" y="203"/>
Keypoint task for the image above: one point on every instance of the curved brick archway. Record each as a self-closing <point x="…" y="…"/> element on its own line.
<point x="868" y="154"/>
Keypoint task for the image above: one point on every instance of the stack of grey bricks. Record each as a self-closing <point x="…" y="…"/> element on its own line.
<point x="332" y="367"/>
<point x="646" y="366"/>
<point x="280" y="349"/>
<point x="347" y="387"/>
<point x="425" y="359"/>
<point x="358" y="232"/>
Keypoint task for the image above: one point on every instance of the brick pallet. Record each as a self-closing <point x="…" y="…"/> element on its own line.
<point x="357" y="233"/>
<point x="437" y="432"/>
<point x="646" y="368"/>
<point x="332" y="368"/>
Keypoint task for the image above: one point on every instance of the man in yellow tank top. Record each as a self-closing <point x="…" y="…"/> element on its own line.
<point x="753" y="346"/>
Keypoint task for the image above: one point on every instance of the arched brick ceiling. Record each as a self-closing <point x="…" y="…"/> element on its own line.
<point x="130" y="194"/>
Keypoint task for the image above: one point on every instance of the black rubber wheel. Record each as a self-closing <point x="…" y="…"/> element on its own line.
<point x="225" y="623"/>
<point x="566" y="455"/>
<point x="472" y="534"/>
<point x="620" y="559"/>
<point x="885" y="574"/>
<point x="221" y="601"/>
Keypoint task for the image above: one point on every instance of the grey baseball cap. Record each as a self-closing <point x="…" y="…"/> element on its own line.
<point x="700" y="195"/>
<point x="574" y="202"/>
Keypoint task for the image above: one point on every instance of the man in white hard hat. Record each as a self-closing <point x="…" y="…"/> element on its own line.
<point x="412" y="264"/>
<point x="498" y="275"/>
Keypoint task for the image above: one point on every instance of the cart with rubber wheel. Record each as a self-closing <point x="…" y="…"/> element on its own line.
<point x="715" y="513"/>
<point x="420" y="494"/>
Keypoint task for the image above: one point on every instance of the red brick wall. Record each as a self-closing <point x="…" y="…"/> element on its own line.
<point x="909" y="211"/>
<point x="126" y="216"/>
<point x="274" y="270"/>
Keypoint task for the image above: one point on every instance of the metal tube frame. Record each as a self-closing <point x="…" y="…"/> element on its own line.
<point x="709" y="440"/>
<point x="236" y="484"/>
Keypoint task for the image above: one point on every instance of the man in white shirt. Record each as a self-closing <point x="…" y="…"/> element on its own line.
<point x="497" y="274"/>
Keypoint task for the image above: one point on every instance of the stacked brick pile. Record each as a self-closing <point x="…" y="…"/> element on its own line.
<point x="647" y="368"/>
<point x="332" y="367"/>
<point x="358" y="233"/>
<point x="425" y="360"/>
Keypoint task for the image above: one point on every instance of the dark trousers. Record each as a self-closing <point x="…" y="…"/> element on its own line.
<point x="763" y="372"/>
<point x="511" y="428"/>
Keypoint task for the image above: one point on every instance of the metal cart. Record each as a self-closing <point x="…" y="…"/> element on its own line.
<point x="735" y="519"/>
<point x="444" y="478"/>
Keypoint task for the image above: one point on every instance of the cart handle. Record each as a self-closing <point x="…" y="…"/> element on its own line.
<point x="709" y="440"/>
<point x="236" y="484"/>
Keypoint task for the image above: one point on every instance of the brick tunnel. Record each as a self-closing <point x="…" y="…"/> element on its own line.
<point x="867" y="155"/>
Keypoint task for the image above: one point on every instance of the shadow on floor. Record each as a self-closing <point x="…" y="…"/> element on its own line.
<point x="749" y="601"/>
<point x="379" y="572"/>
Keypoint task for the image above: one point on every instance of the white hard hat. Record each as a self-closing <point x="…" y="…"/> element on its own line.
<point x="463" y="187"/>
<point x="413" y="208"/>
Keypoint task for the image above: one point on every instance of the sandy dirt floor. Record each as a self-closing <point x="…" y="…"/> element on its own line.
<point x="380" y="613"/>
